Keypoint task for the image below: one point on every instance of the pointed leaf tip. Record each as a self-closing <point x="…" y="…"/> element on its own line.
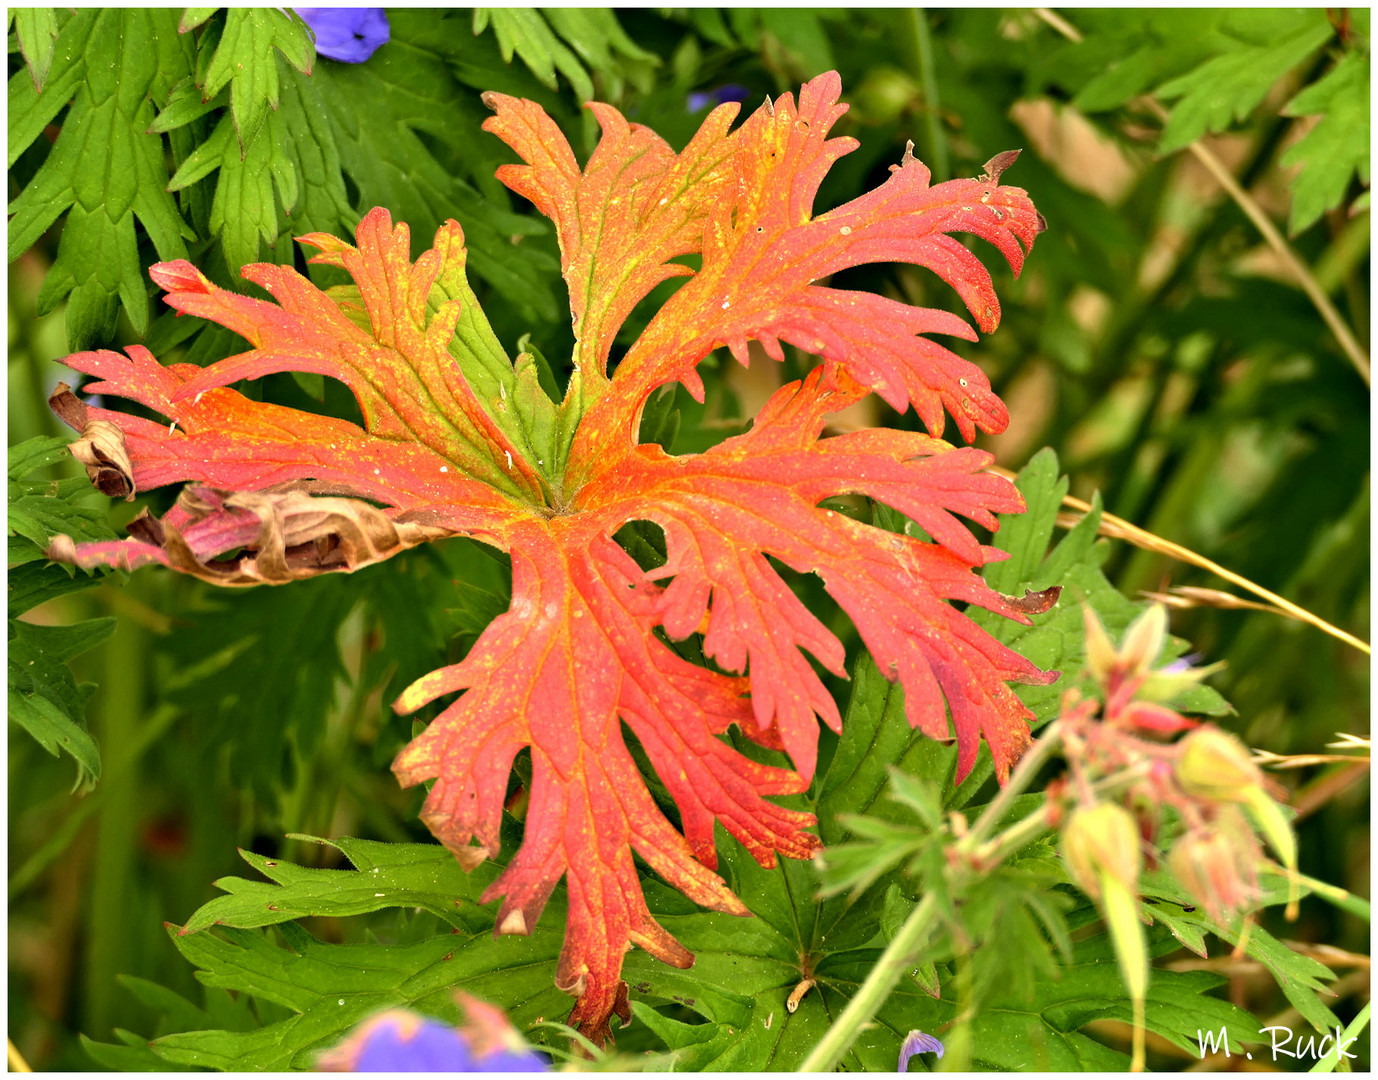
<point x="998" y="164"/>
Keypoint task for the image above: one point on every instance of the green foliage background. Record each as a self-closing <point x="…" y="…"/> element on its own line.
<point x="1154" y="341"/>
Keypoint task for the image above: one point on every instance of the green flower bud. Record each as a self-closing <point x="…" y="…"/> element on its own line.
<point x="1215" y="765"/>
<point x="1100" y="842"/>
<point x="1143" y="641"/>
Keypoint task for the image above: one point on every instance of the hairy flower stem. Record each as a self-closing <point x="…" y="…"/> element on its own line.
<point x="900" y="954"/>
<point x="897" y="957"/>
<point x="1023" y="775"/>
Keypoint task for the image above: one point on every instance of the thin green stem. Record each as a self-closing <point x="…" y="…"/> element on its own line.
<point x="1023" y="775"/>
<point x="932" y="104"/>
<point x="1355" y="1029"/>
<point x="1341" y="898"/>
<point x="899" y="955"/>
<point x="894" y="961"/>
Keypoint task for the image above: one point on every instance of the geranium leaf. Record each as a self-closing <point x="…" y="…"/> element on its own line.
<point x="1229" y="86"/>
<point x="1336" y="149"/>
<point x="245" y="61"/>
<point x="457" y="440"/>
<point x="45" y="699"/>
<point x="404" y="134"/>
<point x="111" y="65"/>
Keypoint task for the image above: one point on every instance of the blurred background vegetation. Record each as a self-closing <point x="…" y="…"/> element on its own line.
<point x="1157" y="339"/>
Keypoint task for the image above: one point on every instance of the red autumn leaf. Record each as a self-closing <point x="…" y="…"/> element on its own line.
<point x="459" y="441"/>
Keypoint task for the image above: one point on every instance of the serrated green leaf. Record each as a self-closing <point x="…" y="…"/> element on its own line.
<point x="1056" y="638"/>
<point x="525" y="33"/>
<point x="246" y="62"/>
<point x="1228" y="87"/>
<point x="33" y="454"/>
<point x="332" y="987"/>
<point x="1302" y="979"/>
<point x="33" y="584"/>
<point x="1337" y="147"/>
<point x="597" y="36"/>
<point x="44" y="698"/>
<point x="1026" y="536"/>
<point x="376" y="111"/>
<point x="105" y="167"/>
<point x="129" y="1057"/>
<point x="243" y="213"/>
<point x="36" y="29"/>
<point x="30" y="110"/>
<point x="185" y="104"/>
<point x="412" y="875"/>
<point x="206" y="158"/>
<point x="261" y="668"/>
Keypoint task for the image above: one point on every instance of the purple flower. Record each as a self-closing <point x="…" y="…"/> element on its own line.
<point x="402" y="1041"/>
<point x="703" y="99"/>
<point x="348" y="34"/>
<point x="916" y="1042"/>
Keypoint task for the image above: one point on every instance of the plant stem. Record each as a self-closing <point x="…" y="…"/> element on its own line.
<point x="922" y="43"/>
<point x="898" y="956"/>
<point x="1341" y="898"/>
<point x="1355" y="1029"/>
<point x="1029" y="765"/>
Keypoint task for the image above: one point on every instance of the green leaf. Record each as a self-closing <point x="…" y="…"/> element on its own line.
<point x="1025" y="536"/>
<point x="399" y="132"/>
<point x="525" y="33"/>
<point x="745" y="969"/>
<point x="1337" y="148"/>
<point x="111" y="65"/>
<point x="388" y="875"/>
<point x="193" y="17"/>
<point x="133" y="1056"/>
<point x="331" y="988"/>
<point x="1302" y="979"/>
<point x="184" y="105"/>
<point x="1228" y="87"/>
<point x="261" y="668"/>
<point x="33" y="584"/>
<point x="246" y="62"/>
<point x="36" y="29"/>
<point x="44" y="698"/>
<point x="1056" y="638"/>
<point x="40" y="510"/>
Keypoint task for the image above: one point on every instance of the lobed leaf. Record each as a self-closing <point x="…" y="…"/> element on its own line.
<point x="105" y="168"/>
<point x="244" y="61"/>
<point x="456" y="441"/>
<point x="1336" y="150"/>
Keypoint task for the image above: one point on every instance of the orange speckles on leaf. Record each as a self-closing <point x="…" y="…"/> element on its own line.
<point x="581" y="652"/>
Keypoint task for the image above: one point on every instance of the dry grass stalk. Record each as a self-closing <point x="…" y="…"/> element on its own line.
<point x="1118" y="529"/>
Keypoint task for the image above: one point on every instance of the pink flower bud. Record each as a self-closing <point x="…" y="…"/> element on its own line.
<point x="1218" y="866"/>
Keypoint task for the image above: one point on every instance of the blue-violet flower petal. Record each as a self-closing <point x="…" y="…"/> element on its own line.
<point x="916" y="1042"/>
<point x="348" y="34"/>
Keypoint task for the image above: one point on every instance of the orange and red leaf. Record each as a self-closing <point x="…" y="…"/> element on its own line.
<point x="582" y="651"/>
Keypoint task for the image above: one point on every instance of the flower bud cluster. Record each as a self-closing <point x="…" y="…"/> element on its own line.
<point x="1207" y="778"/>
